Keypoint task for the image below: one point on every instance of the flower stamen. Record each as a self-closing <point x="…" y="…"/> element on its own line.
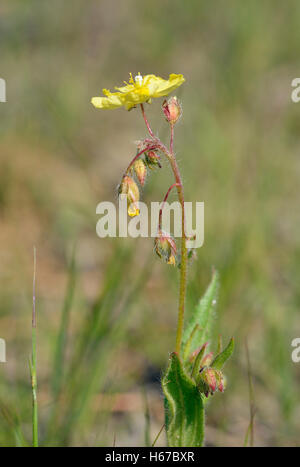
<point x="138" y="79"/>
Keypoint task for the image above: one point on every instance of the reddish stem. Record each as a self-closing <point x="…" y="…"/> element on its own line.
<point x="172" y="139"/>
<point x="163" y="203"/>
<point x="137" y="156"/>
<point x="146" y="121"/>
<point x="169" y="153"/>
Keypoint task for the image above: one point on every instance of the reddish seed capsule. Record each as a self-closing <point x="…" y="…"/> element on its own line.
<point x="140" y="170"/>
<point x="209" y="377"/>
<point x="152" y="160"/>
<point x="165" y="247"/>
<point x="220" y="380"/>
<point x="172" y="110"/>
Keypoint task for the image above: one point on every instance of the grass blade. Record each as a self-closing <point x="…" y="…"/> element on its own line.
<point x="59" y="357"/>
<point x="33" y="362"/>
<point x="249" y="438"/>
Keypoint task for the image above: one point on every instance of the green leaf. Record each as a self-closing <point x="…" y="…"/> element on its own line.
<point x="203" y="317"/>
<point x="222" y="358"/>
<point x="197" y="363"/>
<point x="184" y="409"/>
<point x="187" y="347"/>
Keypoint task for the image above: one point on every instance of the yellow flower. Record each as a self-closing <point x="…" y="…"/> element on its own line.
<point x="129" y="188"/>
<point x="138" y="90"/>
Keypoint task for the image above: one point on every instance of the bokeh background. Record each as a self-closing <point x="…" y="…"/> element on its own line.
<point x="107" y="307"/>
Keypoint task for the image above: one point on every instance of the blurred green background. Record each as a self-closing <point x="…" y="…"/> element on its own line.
<point x="107" y="307"/>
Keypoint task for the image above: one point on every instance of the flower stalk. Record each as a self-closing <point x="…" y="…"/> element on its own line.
<point x="178" y="183"/>
<point x="162" y="206"/>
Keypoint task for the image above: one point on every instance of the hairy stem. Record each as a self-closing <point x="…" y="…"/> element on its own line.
<point x="136" y="158"/>
<point x="162" y="205"/>
<point x="183" y="269"/>
<point x="146" y="121"/>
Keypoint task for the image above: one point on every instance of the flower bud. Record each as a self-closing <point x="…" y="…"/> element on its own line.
<point x="208" y="375"/>
<point x="221" y="383"/>
<point x="207" y="382"/>
<point x="172" y="110"/>
<point x="165" y="247"/>
<point x="129" y="188"/>
<point x="152" y="160"/>
<point x="207" y="359"/>
<point x="140" y="170"/>
<point x="198" y="351"/>
<point x="211" y="380"/>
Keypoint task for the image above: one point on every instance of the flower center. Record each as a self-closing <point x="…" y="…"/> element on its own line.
<point x="138" y="79"/>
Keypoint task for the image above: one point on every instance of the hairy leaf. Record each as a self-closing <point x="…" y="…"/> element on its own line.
<point x="197" y="363"/>
<point x="222" y="358"/>
<point x="203" y="316"/>
<point x="183" y="407"/>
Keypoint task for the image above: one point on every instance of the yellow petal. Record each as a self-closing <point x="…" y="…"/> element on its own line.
<point x="112" y="101"/>
<point x="164" y="87"/>
<point x="133" y="210"/>
<point x="172" y="260"/>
